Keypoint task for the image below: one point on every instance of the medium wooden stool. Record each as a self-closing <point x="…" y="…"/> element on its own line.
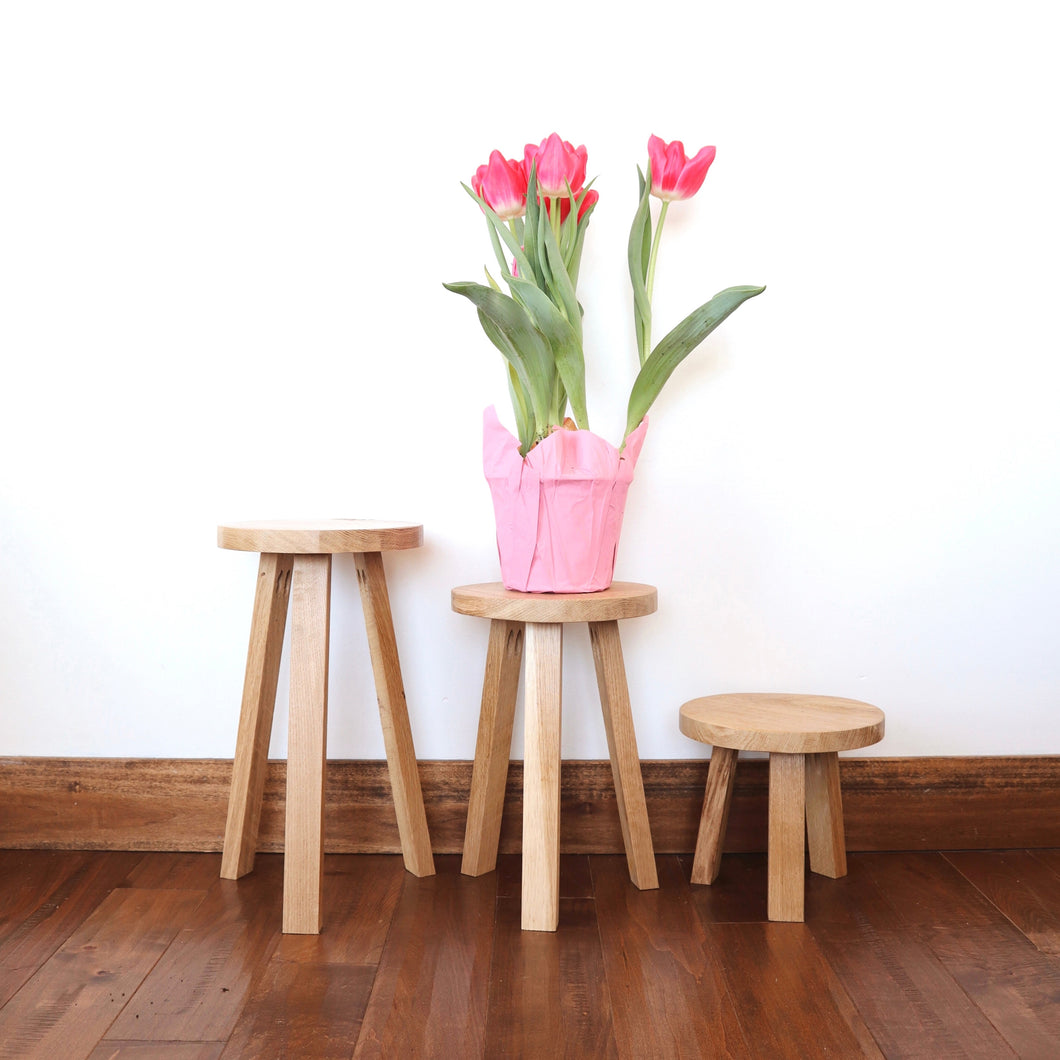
<point x="540" y="617"/>
<point x="802" y="735"/>
<point x="296" y="562"/>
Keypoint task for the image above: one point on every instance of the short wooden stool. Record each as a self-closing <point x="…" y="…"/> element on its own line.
<point x="540" y="617"/>
<point x="802" y="735"/>
<point x="296" y="562"/>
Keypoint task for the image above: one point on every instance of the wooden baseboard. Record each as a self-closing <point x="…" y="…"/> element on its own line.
<point x="162" y="804"/>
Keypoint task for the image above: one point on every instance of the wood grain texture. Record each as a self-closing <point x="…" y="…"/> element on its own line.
<point x="268" y="621"/>
<point x="972" y="803"/>
<point x="541" y="775"/>
<point x="1022" y="885"/>
<point x="902" y="957"/>
<point x="908" y="999"/>
<point x="787" y="831"/>
<point x="178" y="871"/>
<point x="67" y="1006"/>
<point x="1049" y="858"/>
<point x="303" y="1009"/>
<point x="790" y="1002"/>
<point x="622" y="747"/>
<point x="575" y="878"/>
<point x="668" y="994"/>
<point x="545" y="997"/>
<point x="492" y="600"/>
<point x="429" y="994"/>
<point x="738" y="893"/>
<point x="198" y="988"/>
<point x="1015" y="985"/>
<point x="307" y="743"/>
<point x="317" y="536"/>
<point x="38" y="924"/>
<point x="133" y="1050"/>
<point x="792" y="724"/>
<point x="824" y="815"/>
<point x="28" y="879"/>
<point x="713" y="821"/>
<point x="394" y="715"/>
<point x="500" y="686"/>
<point x="360" y="894"/>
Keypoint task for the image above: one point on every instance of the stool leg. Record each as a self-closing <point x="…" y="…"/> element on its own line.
<point x="492" y="748"/>
<point x="787" y="830"/>
<point x="394" y="715"/>
<point x="541" y="776"/>
<point x="824" y="815"/>
<point x="255" y="715"/>
<point x="622" y="745"/>
<point x="715" y="816"/>
<point x="303" y="860"/>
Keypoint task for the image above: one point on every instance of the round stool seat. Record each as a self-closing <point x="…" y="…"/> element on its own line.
<point x="319" y="536"/>
<point x="492" y="600"/>
<point x="787" y="724"/>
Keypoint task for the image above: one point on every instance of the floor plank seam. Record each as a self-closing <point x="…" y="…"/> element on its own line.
<point x="600" y="942"/>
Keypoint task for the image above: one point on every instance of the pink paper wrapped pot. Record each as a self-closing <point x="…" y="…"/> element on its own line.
<point x="558" y="510"/>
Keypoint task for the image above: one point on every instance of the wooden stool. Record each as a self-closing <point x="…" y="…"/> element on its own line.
<point x="802" y="735"/>
<point x="296" y="562"/>
<point x="540" y="618"/>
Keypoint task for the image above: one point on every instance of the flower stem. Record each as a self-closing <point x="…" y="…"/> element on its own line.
<point x="650" y="278"/>
<point x="653" y="257"/>
<point x="553" y="216"/>
<point x="513" y="228"/>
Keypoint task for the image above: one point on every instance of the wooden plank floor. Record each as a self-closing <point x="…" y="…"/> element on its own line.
<point x="119" y="956"/>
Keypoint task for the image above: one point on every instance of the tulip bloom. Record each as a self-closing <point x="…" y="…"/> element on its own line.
<point x="673" y="176"/>
<point x="559" y="165"/>
<point x="501" y="183"/>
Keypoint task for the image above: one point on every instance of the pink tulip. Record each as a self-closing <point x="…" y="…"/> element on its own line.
<point x="590" y="198"/>
<point x="559" y="164"/>
<point x="673" y="176"/>
<point x="501" y="182"/>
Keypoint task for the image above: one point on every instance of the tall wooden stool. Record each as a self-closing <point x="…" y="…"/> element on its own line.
<point x="296" y="562"/>
<point x="540" y="617"/>
<point x="802" y="735"/>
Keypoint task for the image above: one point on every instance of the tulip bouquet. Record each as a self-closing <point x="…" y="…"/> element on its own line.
<point x="538" y="210"/>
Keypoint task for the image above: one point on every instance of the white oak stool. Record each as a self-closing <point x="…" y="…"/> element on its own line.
<point x="802" y="735"/>
<point x="296" y="562"/>
<point x="540" y="617"/>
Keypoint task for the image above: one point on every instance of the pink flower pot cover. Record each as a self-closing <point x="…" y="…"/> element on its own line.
<point x="559" y="510"/>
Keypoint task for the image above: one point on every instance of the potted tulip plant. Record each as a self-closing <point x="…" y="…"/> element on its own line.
<point x="559" y="490"/>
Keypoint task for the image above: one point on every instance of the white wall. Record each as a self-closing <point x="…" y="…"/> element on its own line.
<point x="223" y="233"/>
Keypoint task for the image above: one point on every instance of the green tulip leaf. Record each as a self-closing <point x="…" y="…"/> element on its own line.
<point x="560" y="288"/>
<point x="502" y="260"/>
<point x="564" y="341"/>
<point x="676" y="346"/>
<point x="499" y="228"/>
<point x="569" y="228"/>
<point x="511" y="354"/>
<point x="523" y="414"/>
<point x="510" y="329"/>
<point x="639" y="253"/>
<point x="575" y="261"/>
<point x="533" y="209"/>
<point x="559" y="402"/>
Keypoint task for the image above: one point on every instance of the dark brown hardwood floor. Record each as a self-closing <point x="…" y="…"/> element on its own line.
<point x="130" y="956"/>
